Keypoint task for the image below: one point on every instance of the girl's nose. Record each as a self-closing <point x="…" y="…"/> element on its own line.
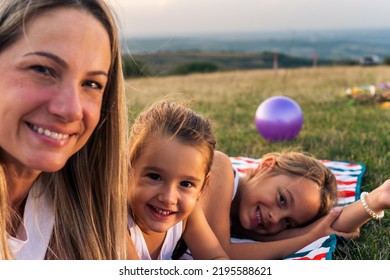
<point x="276" y="219"/>
<point x="67" y="104"/>
<point x="168" y="194"/>
<point x="274" y="216"/>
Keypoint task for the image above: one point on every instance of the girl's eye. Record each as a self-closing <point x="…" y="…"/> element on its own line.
<point x="93" y="85"/>
<point x="186" y="184"/>
<point x="154" y="176"/>
<point x="282" y="200"/>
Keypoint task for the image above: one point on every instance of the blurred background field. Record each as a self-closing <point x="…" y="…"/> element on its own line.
<point x="334" y="127"/>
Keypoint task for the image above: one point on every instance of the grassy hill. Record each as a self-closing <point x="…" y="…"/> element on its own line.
<point x="333" y="128"/>
<point x="165" y="63"/>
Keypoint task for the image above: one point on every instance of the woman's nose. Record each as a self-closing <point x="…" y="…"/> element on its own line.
<point x="67" y="103"/>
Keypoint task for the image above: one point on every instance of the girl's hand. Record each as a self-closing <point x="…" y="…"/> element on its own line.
<point x="324" y="225"/>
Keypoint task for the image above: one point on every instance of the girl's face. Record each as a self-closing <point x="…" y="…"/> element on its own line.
<point x="52" y="81"/>
<point x="168" y="179"/>
<point x="271" y="204"/>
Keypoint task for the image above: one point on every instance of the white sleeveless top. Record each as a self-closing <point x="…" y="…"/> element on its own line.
<point x="236" y="181"/>
<point x="33" y="235"/>
<point x="171" y="238"/>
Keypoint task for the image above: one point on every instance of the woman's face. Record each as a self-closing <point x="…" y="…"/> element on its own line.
<point x="272" y="204"/>
<point x="52" y="81"/>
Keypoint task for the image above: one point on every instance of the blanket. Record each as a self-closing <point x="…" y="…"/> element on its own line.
<point x="349" y="177"/>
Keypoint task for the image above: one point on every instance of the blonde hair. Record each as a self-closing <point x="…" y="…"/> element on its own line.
<point x="5" y="215"/>
<point x="303" y="165"/>
<point x="89" y="194"/>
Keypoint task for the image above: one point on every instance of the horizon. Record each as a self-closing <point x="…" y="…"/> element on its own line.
<point x="178" y="18"/>
<point x="329" y="44"/>
<point x="269" y="33"/>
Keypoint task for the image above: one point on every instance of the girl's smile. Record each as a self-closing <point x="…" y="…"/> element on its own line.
<point x="161" y="213"/>
<point x="258" y="218"/>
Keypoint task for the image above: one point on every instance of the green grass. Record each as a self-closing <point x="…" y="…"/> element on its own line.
<point x="333" y="128"/>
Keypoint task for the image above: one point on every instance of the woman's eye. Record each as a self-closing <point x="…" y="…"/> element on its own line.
<point x="186" y="184"/>
<point x="93" y="85"/>
<point x="42" y="69"/>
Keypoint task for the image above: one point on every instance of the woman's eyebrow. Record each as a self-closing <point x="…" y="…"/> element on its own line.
<point x="94" y="73"/>
<point x="62" y="62"/>
<point x="51" y="56"/>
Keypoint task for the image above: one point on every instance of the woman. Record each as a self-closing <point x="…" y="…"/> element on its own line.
<point x="63" y="132"/>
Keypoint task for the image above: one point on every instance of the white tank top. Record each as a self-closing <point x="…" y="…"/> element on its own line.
<point x="33" y="235"/>
<point x="236" y="181"/>
<point x="171" y="238"/>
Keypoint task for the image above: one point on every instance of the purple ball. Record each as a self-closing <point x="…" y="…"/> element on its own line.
<point x="278" y="118"/>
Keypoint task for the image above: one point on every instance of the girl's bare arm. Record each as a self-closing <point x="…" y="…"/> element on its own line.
<point x="281" y="248"/>
<point x="200" y="238"/>
<point x="355" y="215"/>
<point x="347" y="224"/>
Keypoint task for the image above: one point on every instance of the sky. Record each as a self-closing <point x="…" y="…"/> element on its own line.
<point x="149" y="18"/>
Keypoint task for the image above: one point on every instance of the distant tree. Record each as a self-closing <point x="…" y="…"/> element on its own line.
<point x="386" y="60"/>
<point x="348" y="62"/>
<point x="195" y="67"/>
<point x="134" y="68"/>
